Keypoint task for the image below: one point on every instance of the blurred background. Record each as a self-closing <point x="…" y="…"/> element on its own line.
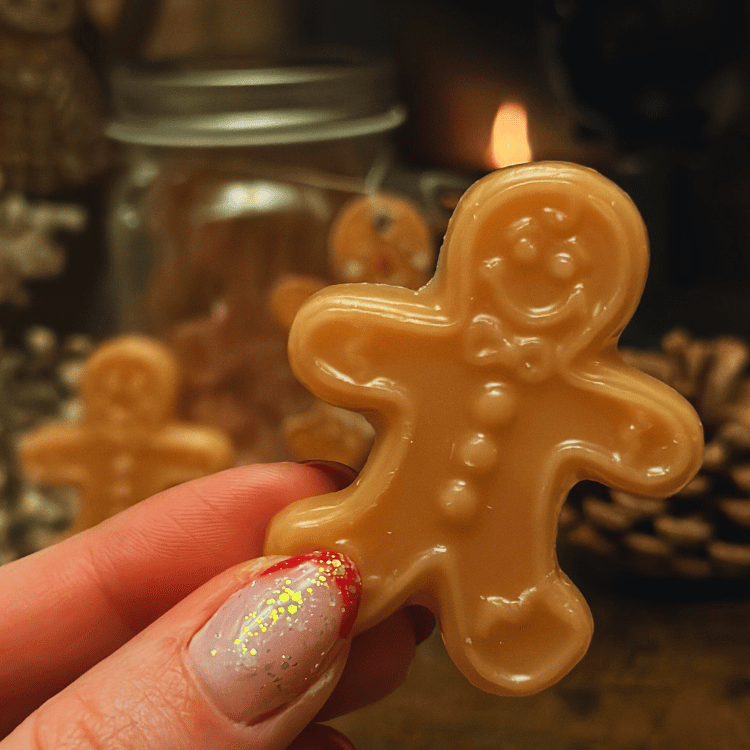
<point x="653" y="94"/>
<point x="174" y="129"/>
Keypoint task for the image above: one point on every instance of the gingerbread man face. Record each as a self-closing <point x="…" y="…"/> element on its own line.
<point x="381" y="239"/>
<point x="493" y="390"/>
<point x="132" y="386"/>
<point x="557" y="263"/>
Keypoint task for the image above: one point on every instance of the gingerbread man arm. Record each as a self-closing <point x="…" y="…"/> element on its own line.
<point x="646" y="439"/>
<point x="52" y="454"/>
<point x="182" y="453"/>
<point x="347" y="326"/>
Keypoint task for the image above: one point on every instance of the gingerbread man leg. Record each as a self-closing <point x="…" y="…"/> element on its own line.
<point x="513" y="647"/>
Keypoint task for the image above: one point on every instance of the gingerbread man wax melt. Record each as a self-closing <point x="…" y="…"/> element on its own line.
<point x="493" y="390"/>
<point x="128" y="445"/>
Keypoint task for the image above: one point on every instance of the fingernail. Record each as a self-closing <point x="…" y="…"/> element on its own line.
<point x="423" y="622"/>
<point x="340" y="474"/>
<point x="319" y="735"/>
<point x="272" y="639"/>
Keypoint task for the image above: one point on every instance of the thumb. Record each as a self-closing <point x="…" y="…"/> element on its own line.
<point x="245" y="661"/>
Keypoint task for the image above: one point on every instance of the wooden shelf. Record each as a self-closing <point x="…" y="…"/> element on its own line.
<point x="661" y="674"/>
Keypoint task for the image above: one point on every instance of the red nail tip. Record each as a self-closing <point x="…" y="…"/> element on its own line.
<point x="342" y="571"/>
<point x="318" y="735"/>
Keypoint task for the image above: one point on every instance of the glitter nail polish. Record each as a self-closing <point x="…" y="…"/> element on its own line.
<point x="274" y="638"/>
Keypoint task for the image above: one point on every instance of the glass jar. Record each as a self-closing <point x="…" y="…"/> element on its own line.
<point x="243" y="191"/>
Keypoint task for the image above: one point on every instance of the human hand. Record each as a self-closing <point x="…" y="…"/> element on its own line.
<point x="98" y="644"/>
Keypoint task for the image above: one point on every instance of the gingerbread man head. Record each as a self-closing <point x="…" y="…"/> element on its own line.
<point x="130" y="384"/>
<point x="556" y="262"/>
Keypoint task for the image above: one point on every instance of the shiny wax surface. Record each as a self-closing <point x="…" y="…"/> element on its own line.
<point x="493" y="390"/>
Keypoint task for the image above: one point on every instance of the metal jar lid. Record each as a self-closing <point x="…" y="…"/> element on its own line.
<point x="325" y="97"/>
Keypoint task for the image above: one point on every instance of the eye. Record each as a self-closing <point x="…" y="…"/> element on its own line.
<point x="562" y="266"/>
<point x="382" y="222"/>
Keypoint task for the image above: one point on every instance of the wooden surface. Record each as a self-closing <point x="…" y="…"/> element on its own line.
<point x="668" y="669"/>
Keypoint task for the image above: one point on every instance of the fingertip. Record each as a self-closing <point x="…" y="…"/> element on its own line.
<point x="379" y="662"/>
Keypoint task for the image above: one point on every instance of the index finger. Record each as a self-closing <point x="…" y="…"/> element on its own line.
<point x="71" y="605"/>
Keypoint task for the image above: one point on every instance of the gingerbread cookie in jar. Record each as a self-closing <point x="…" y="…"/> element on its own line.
<point x="246" y="191"/>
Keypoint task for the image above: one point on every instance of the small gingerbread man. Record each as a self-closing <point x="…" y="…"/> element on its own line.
<point x="127" y="447"/>
<point x="381" y="239"/>
<point x="493" y="390"/>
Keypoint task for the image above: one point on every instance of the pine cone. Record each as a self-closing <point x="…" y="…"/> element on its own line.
<point x="703" y="531"/>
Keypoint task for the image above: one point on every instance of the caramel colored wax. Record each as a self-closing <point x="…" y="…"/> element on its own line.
<point x="128" y="445"/>
<point x="493" y="390"/>
<point x="381" y="238"/>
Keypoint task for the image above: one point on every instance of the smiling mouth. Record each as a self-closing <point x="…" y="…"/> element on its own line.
<point x="548" y="315"/>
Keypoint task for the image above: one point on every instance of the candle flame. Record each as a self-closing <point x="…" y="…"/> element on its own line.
<point x="509" y="142"/>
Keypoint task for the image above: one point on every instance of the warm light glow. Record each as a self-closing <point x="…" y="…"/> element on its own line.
<point x="509" y="142"/>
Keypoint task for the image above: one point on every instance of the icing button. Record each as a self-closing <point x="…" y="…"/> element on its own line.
<point x="496" y="404"/>
<point x="478" y="452"/>
<point x="123" y="463"/>
<point x="458" y="500"/>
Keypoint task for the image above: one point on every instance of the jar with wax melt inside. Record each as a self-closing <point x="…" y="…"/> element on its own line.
<point x="243" y="192"/>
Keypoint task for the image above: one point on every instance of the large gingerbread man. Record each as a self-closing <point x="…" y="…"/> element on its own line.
<point x="493" y="390"/>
